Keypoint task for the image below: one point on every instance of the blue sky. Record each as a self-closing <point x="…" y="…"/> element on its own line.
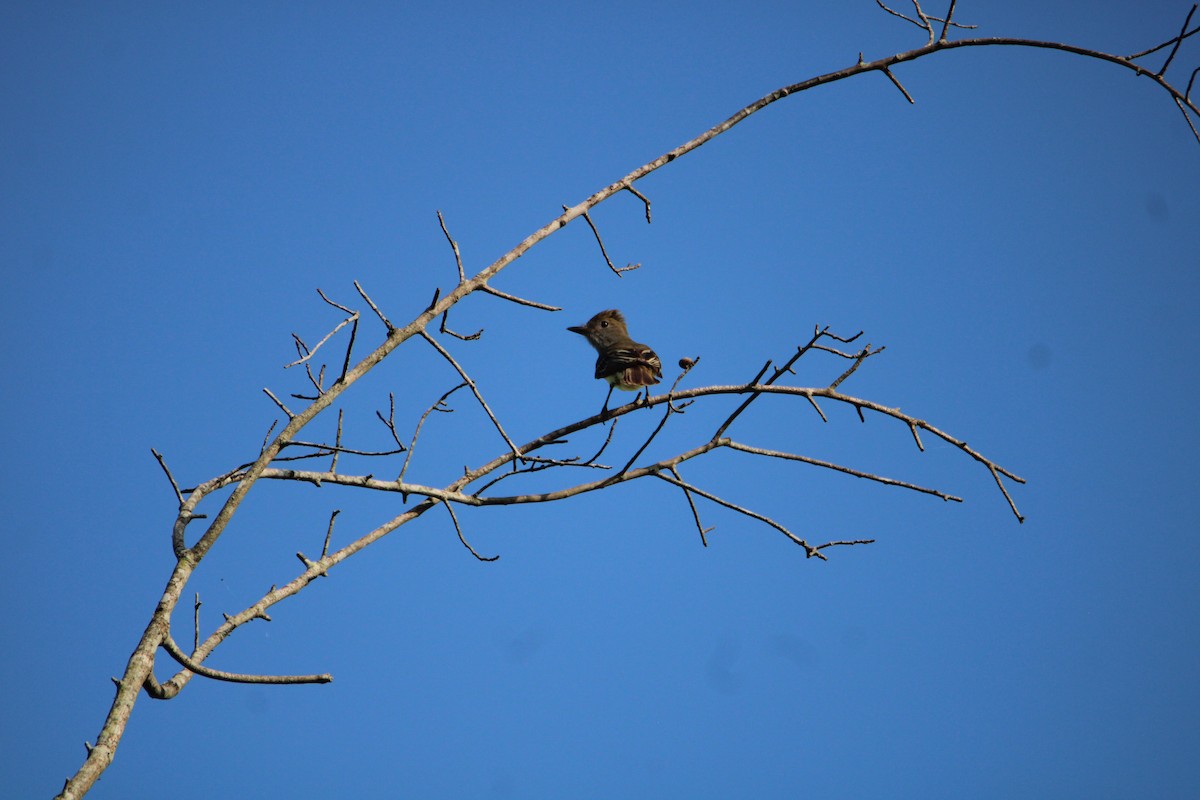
<point x="178" y="182"/>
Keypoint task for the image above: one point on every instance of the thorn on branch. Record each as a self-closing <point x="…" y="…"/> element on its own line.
<point x="309" y="564"/>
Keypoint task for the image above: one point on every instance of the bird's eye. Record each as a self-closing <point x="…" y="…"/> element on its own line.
<point x="603" y="323"/>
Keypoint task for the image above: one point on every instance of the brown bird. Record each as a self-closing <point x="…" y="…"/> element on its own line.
<point x="624" y="363"/>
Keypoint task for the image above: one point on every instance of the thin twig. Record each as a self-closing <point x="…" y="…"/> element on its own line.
<point x="328" y="449"/>
<point x="809" y="549"/>
<point x="337" y="441"/>
<point x="863" y="354"/>
<point x="462" y="276"/>
<point x="307" y="353"/>
<point x="474" y="390"/>
<point x="759" y="451"/>
<point x="169" y="645"/>
<point x="616" y="270"/>
<point x="692" y="504"/>
<point x="267" y="437"/>
<point x="946" y="22"/>
<point x="328" y="533"/>
<point x="196" y="620"/>
<point x="463" y="539"/>
<point x="996" y="474"/>
<point x="818" y="334"/>
<point x="813" y="401"/>
<point x="349" y="349"/>
<point x="469" y="337"/>
<point x="390" y="422"/>
<point x="1187" y="117"/>
<point x="175" y="486"/>
<point x="901" y="16"/>
<point x="645" y="200"/>
<point x="279" y="403"/>
<point x="519" y="300"/>
<point x="670" y="410"/>
<point x="437" y="406"/>
<point x="1178" y="41"/>
<point x="387" y="323"/>
<point x="899" y="85"/>
<point x="845" y="542"/>
<point x="927" y="25"/>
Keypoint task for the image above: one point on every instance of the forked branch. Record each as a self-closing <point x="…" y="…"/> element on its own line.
<point x="138" y="673"/>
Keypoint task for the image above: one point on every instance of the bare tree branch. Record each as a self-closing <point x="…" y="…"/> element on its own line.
<point x="463" y="539"/>
<point x="166" y="470"/>
<point x="474" y="390"/>
<point x="138" y="674"/>
<point x="233" y="677"/>
<point x="453" y="246"/>
<point x="1178" y="41"/>
<point x="616" y="270"/>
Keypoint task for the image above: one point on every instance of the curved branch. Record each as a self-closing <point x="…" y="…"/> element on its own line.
<point x="233" y="677"/>
<point x="138" y="670"/>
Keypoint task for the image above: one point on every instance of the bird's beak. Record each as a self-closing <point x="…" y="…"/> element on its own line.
<point x="582" y="331"/>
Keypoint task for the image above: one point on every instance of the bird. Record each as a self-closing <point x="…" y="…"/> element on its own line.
<point x="625" y="364"/>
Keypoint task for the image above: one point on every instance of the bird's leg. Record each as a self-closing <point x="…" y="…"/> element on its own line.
<point x="607" y="397"/>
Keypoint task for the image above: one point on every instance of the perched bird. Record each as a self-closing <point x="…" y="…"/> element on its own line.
<point x="624" y="363"/>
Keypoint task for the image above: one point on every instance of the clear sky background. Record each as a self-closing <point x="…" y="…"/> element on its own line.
<point x="178" y="182"/>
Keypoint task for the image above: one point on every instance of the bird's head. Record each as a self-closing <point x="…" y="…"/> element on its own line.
<point x="605" y="327"/>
